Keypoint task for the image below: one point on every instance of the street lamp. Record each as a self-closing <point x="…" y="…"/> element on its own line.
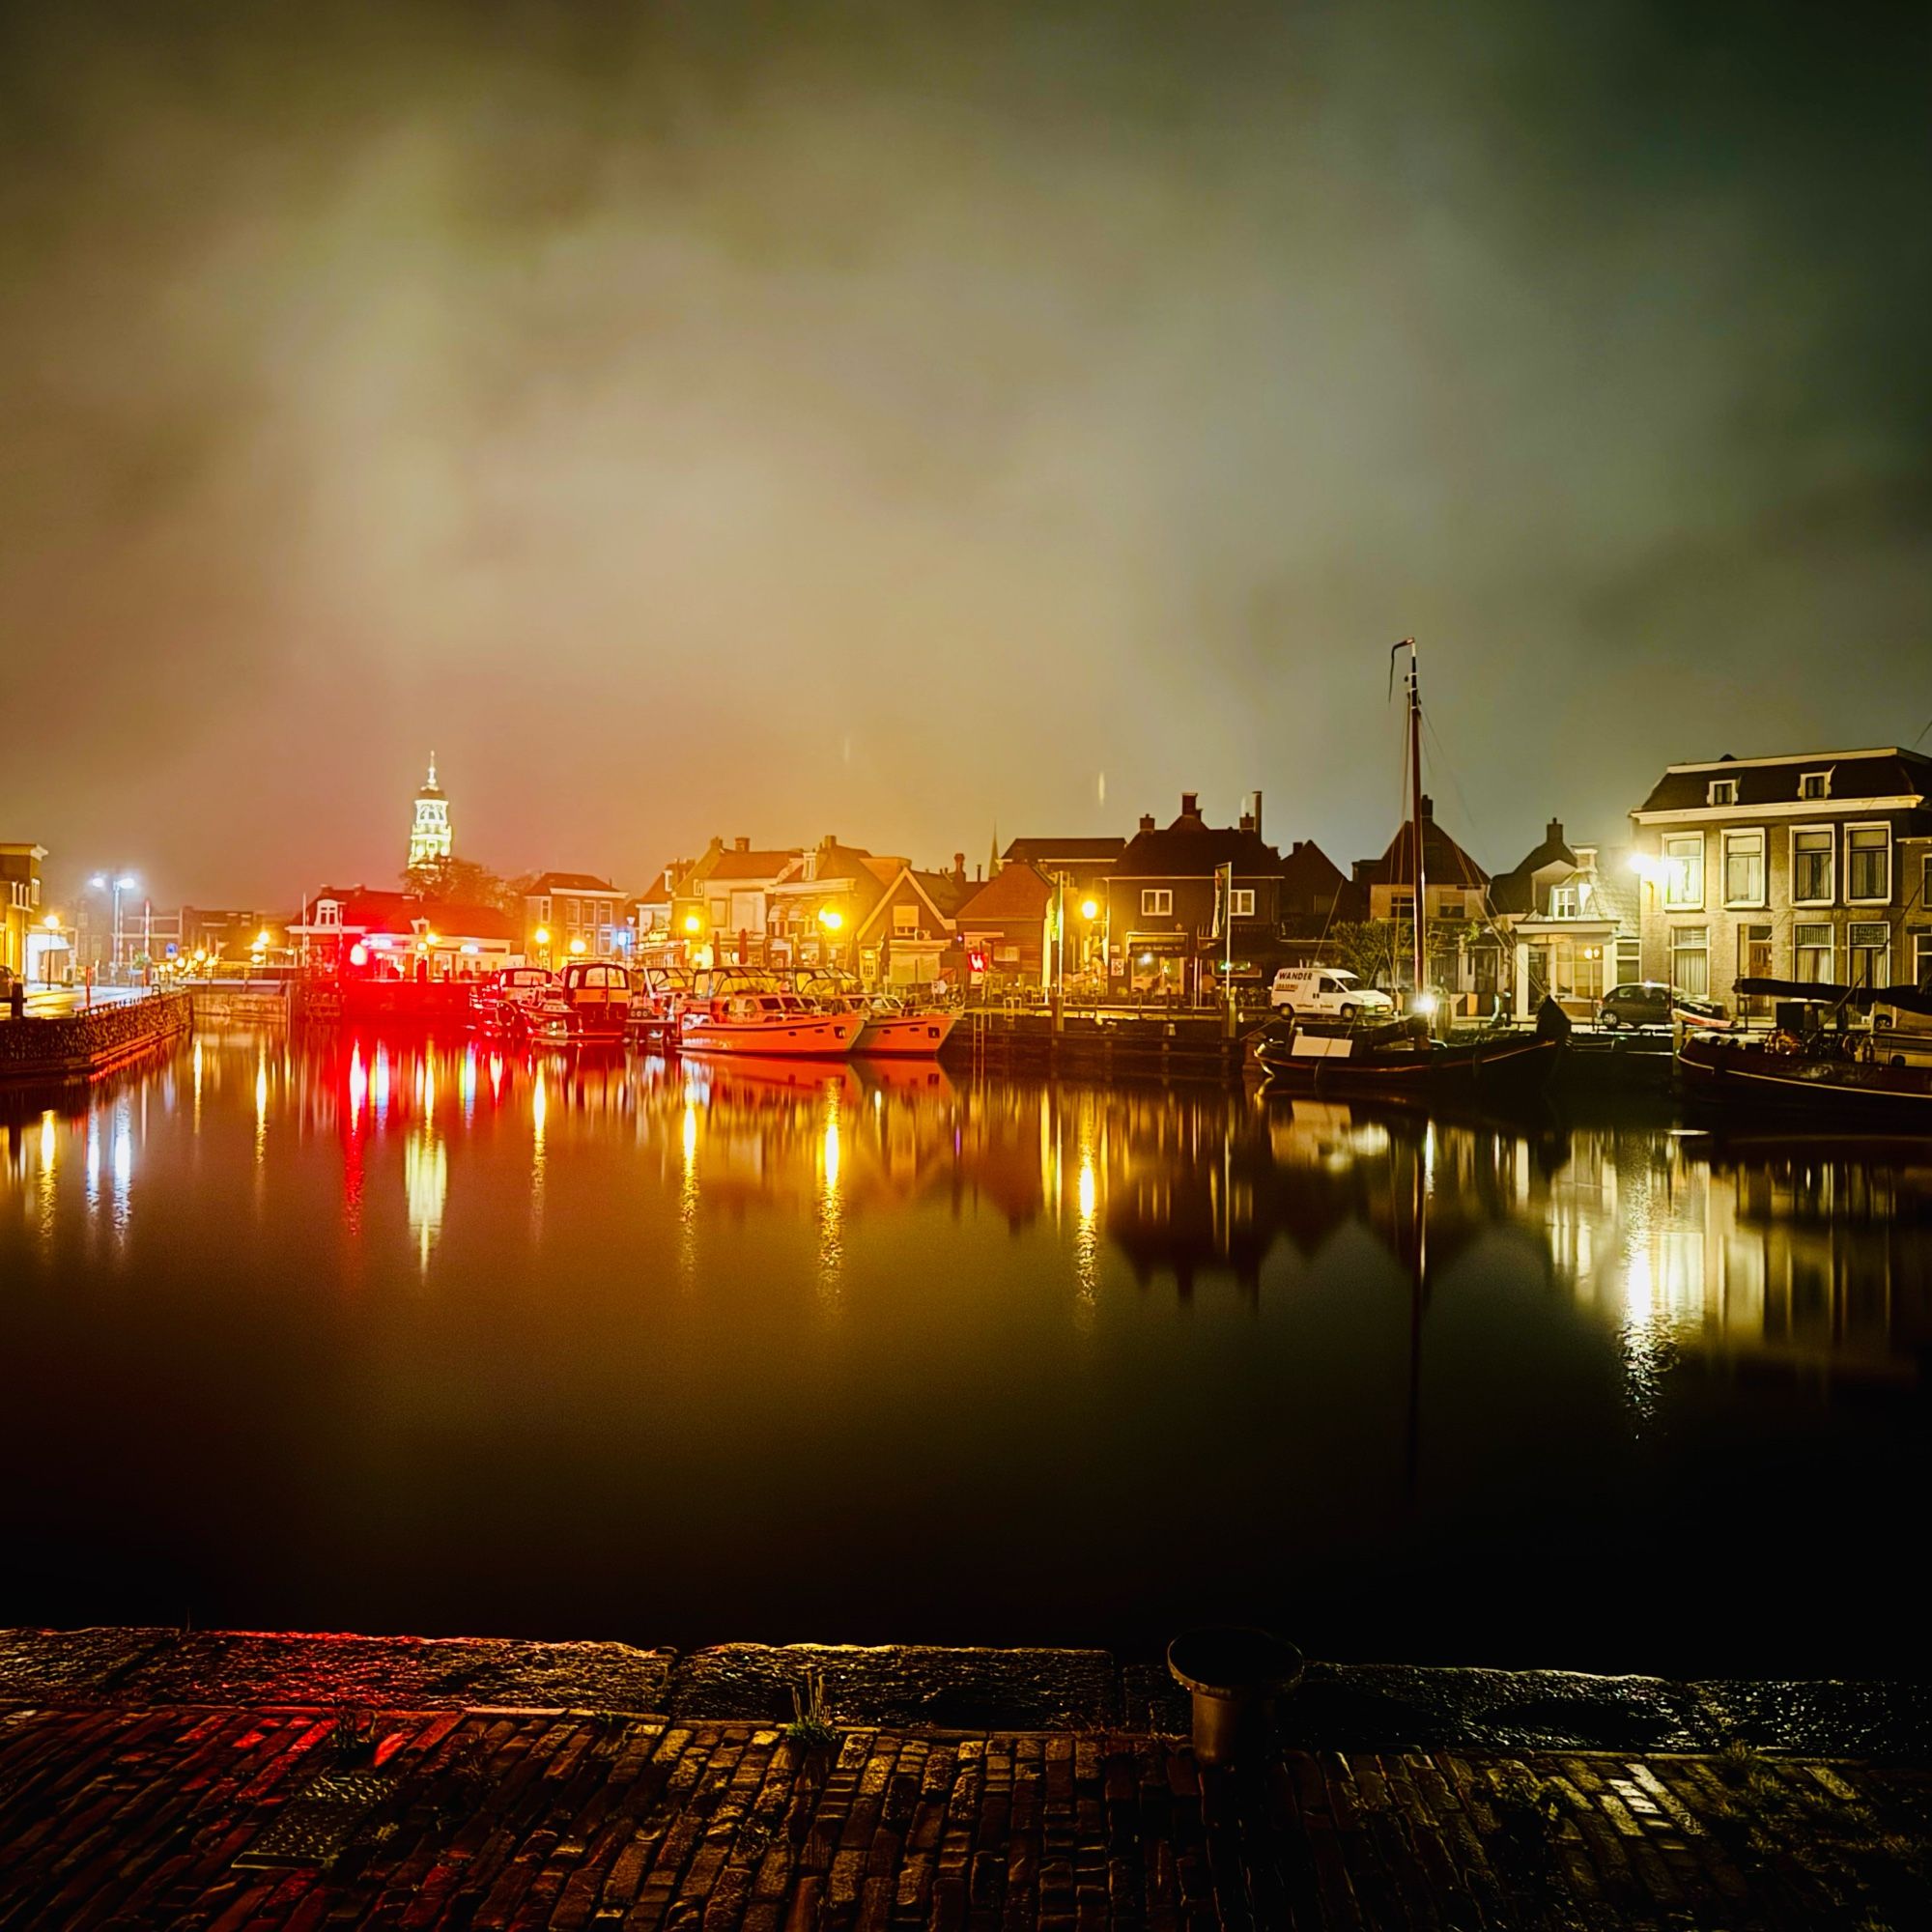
<point x="831" y="920"/>
<point x="540" y="938"/>
<point x="125" y="883"/>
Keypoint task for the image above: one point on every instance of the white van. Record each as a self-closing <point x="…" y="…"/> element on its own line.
<point x="1329" y="991"/>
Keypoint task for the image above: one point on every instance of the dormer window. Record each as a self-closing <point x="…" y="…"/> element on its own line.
<point x="1723" y="791"/>
<point x="329" y="912"/>
<point x="1815" y="785"/>
<point x="1563" y="902"/>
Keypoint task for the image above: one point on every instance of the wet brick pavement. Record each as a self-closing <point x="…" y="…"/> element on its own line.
<point x="118" y="1814"/>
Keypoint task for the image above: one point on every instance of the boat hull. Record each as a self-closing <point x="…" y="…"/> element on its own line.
<point x="802" y="1036"/>
<point x="1487" y="1070"/>
<point x="1738" y="1076"/>
<point x="905" y="1035"/>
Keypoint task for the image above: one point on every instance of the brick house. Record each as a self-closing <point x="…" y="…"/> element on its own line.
<point x="1163" y="901"/>
<point x="1009" y="918"/>
<point x="1808" y="866"/>
<point x="1315" y="896"/>
<point x="910" y="936"/>
<point x="1455" y="893"/>
<point x="721" y="903"/>
<point x="584" y="916"/>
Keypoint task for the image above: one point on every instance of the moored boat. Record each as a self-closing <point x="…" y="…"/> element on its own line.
<point x="755" y="1014"/>
<point x="592" y="1002"/>
<point x="1813" y="1063"/>
<point x="1401" y="1061"/>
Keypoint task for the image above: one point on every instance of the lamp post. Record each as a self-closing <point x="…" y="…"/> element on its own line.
<point x="831" y="920"/>
<point x="119" y="884"/>
<point x="540" y="938"/>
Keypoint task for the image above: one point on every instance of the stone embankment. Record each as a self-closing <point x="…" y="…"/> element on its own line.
<point x="77" y="1047"/>
<point x="230" y="1780"/>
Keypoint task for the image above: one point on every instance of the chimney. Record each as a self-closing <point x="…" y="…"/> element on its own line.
<point x="1147" y="821"/>
<point x="741" y="844"/>
<point x="1428" y="806"/>
<point x="1247" y="821"/>
<point x="958" y="868"/>
<point x="1191" y="804"/>
<point x="1256" y="812"/>
<point x="1552" y="833"/>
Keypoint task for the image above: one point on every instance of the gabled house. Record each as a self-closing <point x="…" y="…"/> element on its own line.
<point x="574" y="915"/>
<point x="1009" y="921"/>
<point x="1168" y="930"/>
<point x="1810" y="866"/>
<point x="908" y="936"/>
<point x="823" y="900"/>
<point x="655" y="940"/>
<point x="1455" y="892"/>
<point x="1572" y="921"/>
<point x="722" y="901"/>
<point x="1315" y="896"/>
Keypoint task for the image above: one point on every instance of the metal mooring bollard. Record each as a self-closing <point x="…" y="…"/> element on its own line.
<point x="1234" y="1675"/>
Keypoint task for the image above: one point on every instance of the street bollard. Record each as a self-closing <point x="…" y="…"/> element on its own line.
<point x="1235" y="1675"/>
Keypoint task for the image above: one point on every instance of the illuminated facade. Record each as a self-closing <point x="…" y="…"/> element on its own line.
<point x="429" y="832"/>
<point x="19" y="900"/>
<point x="1812" y="867"/>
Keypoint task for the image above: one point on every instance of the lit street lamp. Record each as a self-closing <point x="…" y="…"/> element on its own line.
<point x="540" y="938"/>
<point x="124" y="883"/>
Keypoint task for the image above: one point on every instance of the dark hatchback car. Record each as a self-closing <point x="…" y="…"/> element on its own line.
<point x="1650" y="1003"/>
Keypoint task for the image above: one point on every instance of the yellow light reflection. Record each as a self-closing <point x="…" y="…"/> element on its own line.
<point x="830" y="1204"/>
<point x="425" y="1188"/>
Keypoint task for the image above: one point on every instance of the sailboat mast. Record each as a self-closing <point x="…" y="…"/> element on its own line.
<point x="1415" y="815"/>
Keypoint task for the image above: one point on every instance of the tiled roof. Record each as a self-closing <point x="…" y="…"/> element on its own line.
<point x="1889" y="772"/>
<point x="1196" y="851"/>
<point x="570" y="882"/>
<point x="1514" y="890"/>
<point x="372" y="911"/>
<point x="736" y="865"/>
<point x="1042" y="851"/>
<point x="1016" y="890"/>
<point x="1444" y="862"/>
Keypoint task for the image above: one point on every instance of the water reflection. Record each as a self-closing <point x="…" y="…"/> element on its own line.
<point x="1407" y="1336"/>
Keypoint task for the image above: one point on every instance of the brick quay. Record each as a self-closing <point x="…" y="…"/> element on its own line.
<point x="225" y="1781"/>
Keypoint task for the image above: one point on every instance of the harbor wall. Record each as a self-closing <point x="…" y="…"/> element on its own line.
<point x="77" y="1047"/>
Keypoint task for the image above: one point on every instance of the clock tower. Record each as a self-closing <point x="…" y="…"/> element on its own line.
<point x="429" y="834"/>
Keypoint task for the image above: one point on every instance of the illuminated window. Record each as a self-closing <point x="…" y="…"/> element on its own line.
<point x="1811" y="953"/>
<point x="1744" y="869"/>
<point x="1868" y="863"/>
<point x="1723" y="791"/>
<point x="1870" y="950"/>
<point x="1241" y="902"/>
<point x="1811" y="882"/>
<point x="1691" y="960"/>
<point x="1157" y="902"/>
<point x="1815" y="784"/>
<point x="1683" y="876"/>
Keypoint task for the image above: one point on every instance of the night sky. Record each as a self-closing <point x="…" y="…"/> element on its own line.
<point x="893" y="421"/>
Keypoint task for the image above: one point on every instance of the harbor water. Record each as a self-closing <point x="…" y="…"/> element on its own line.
<point x="383" y="1335"/>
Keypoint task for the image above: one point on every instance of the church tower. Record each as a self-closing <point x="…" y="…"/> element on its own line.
<point x="429" y="836"/>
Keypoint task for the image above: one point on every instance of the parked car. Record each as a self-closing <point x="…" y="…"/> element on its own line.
<point x="1649" y="1003"/>
<point x="1330" y="991"/>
